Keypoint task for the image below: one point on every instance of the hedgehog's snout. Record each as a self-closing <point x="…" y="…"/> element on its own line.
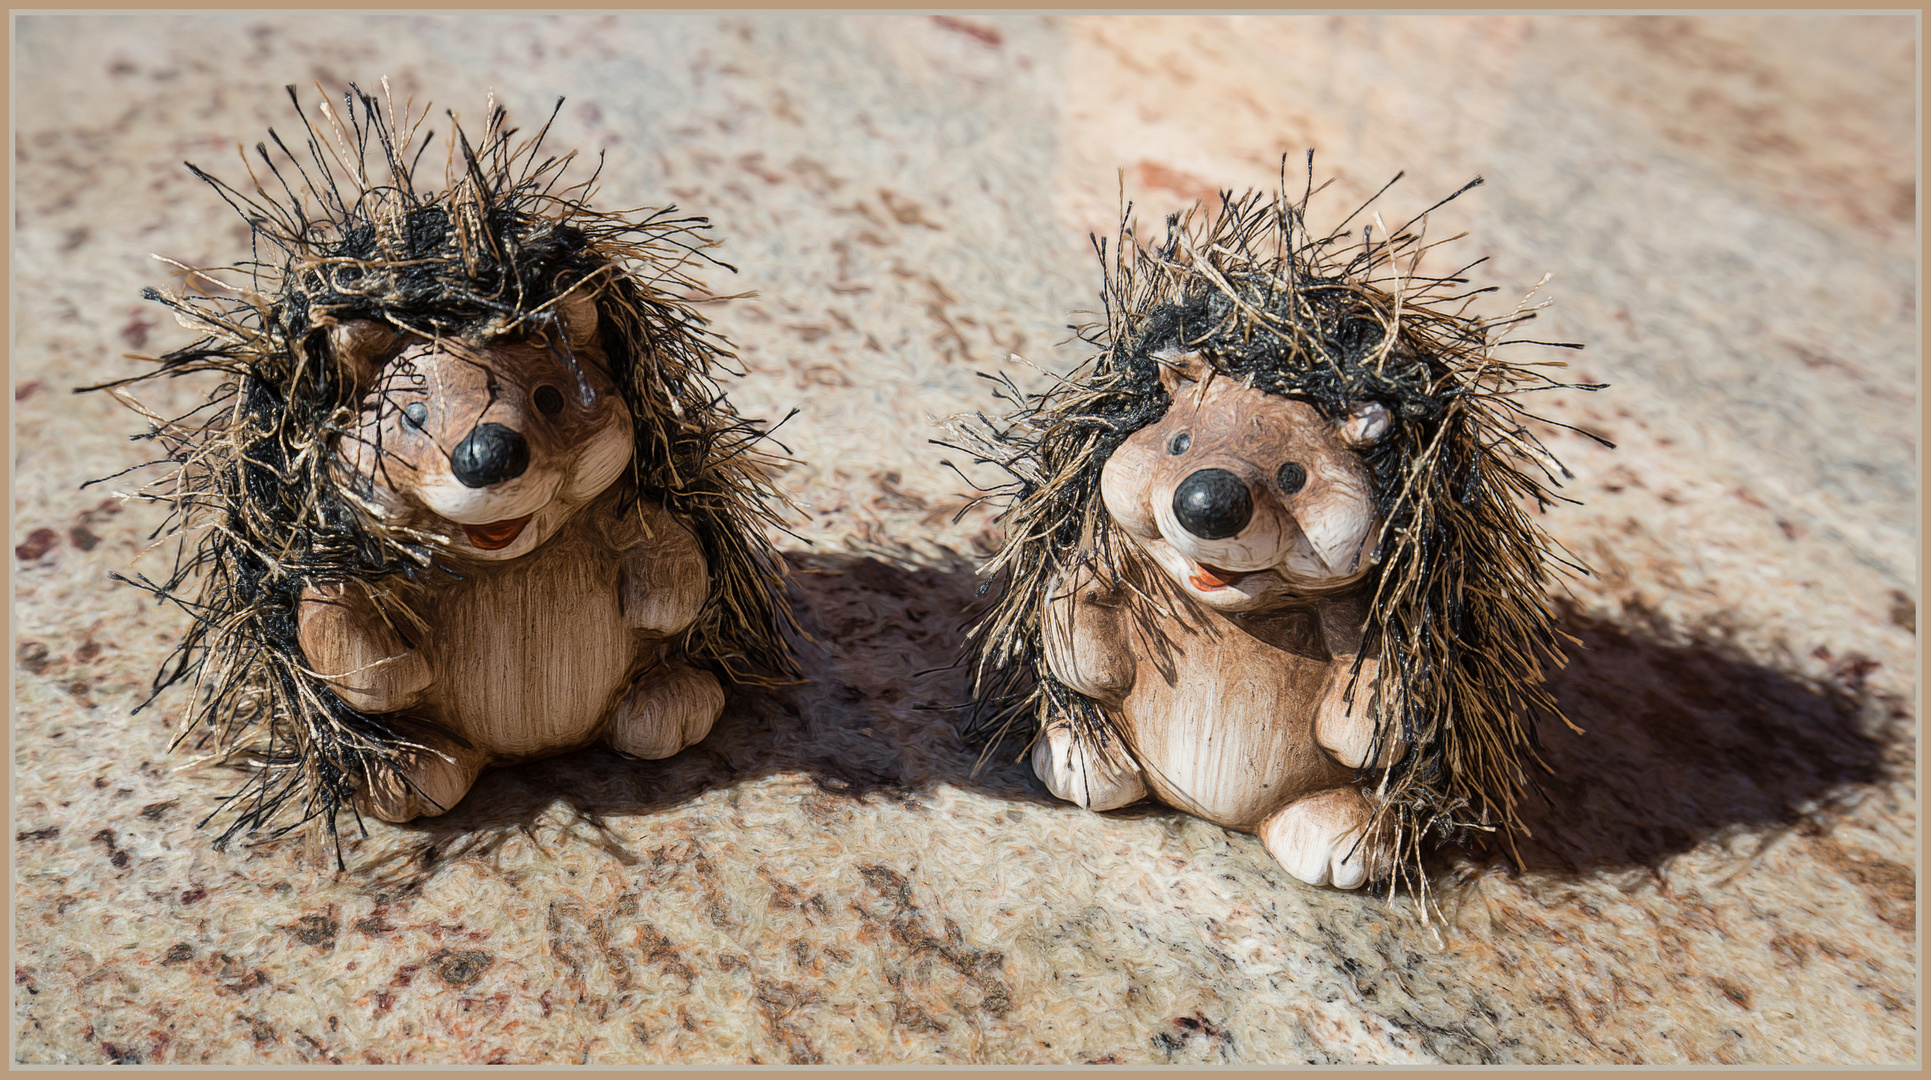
<point x="490" y="454"/>
<point x="1213" y="504"/>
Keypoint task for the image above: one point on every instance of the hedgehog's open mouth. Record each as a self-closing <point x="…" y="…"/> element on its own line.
<point x="497" y="534"/>
<point x="1207" y="577"/>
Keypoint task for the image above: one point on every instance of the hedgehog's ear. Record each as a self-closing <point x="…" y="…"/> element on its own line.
<point x="577" y="311"/>
<point x="1179" y="370"/>
<point x="360" y="346"/>
<point x="1365" y="424"/>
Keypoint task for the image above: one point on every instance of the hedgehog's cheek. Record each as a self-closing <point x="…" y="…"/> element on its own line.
<point x="1126" y="486"/>
<point x="370" y="467"/>
<point x="1340" y="531"/>
<point x="599" y="461"/>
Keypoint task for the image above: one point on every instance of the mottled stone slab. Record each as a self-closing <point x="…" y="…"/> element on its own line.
<point x="1724" y="871"/>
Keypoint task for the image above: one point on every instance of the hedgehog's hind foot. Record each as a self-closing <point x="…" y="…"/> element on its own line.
<point x="1080" y="770"/>
<point x="1329" y="838"/>
<point x="671" y="706"/>
<point x="431" y="776"/>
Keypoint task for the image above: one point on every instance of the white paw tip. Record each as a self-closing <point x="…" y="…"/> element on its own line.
<point x="1072" y="772"/>
<point x="1319" y="841"/>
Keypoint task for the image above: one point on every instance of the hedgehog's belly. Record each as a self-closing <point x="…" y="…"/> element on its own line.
<point x="1231" y="737"/>
<point x="531" y="654"/>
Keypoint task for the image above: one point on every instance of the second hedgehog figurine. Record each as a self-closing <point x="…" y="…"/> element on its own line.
<point x="1266" y="558"/>
<point x="468" y="493"/>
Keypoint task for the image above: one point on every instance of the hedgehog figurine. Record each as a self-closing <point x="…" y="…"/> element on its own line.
<point x="468" y="493"/>
<point x="1266" y="554"/>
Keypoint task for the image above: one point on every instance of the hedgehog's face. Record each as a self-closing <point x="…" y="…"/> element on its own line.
<point x="1244" y="497"/>
<point x="491" y="448"/>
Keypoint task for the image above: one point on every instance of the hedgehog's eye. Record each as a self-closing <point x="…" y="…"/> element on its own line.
<point x="1180" y="443"/>
<point x="1292" y="478"/>
<point x="549" y="400"/>
<point x="415" y="414"/>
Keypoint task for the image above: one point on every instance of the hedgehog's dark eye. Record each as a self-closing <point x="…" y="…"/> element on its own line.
<point x="1292" y="478"/>
<point x="549" y="400"/>
<point x="1180" y="443"/>
<point x="416" y="414"/>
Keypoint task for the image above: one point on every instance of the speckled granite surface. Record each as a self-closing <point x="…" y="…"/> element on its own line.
<point x="1726" y="872"/>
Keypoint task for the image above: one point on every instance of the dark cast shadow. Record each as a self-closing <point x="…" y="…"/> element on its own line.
<point x="881" y="714"/>
<point x="1683" y="740"/>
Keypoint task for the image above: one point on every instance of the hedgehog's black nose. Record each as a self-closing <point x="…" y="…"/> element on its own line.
<point x="1213" y="504"/>
<point x="490" y="455"/>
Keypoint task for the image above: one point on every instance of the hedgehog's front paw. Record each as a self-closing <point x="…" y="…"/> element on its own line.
<point x="1084" y="639"/>
<point x="671" y="707"/>
<point x="1325" y="839"/>
<point x="1076" y="770"/>
<point x="354" y="649"/>
<point x="1347" y="728"/>
<point x="665" y="580"/>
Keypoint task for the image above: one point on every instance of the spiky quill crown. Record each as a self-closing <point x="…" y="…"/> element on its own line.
<point x="257" y="500"/>
<point x="1460" y="617"/>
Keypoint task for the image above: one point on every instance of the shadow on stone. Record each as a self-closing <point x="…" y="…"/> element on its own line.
<point x="1684" y="741"/>
<point x="878" y="717"/>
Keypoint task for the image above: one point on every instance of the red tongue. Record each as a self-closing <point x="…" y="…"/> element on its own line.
<point x="497" y="534"/>
<point x="1213" y="577"/>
